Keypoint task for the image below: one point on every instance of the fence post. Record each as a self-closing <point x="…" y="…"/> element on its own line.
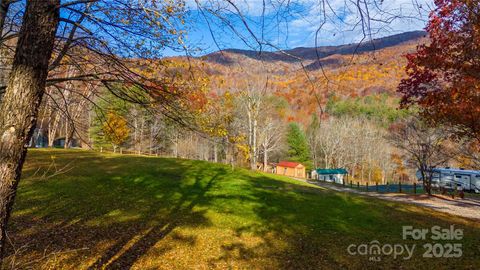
<point x="343" y="182"/>
<point x="376" y="186"/>
<point x="367" y="186"/>
<point x="387" y="187"/>
<point x="414" y="188"/>
<point x="358" y="185"/>
<point x="351" y="184"/>
<point x="399" y="186"/>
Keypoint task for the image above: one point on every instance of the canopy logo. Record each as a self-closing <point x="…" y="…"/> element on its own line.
<point x="375" y="250"/>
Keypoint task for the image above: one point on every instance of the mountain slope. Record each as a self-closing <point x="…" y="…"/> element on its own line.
<point x="345" y="72"/>
<point x="313" y="54"/>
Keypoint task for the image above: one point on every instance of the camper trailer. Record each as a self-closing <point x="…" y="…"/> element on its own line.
<point x="451" y="178"/>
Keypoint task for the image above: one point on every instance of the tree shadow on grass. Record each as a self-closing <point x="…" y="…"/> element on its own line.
<point x="129" y="204"/>
<point x="302" y="227"/>
<point x="180" y="214"/>
<point x="134" y="205"/>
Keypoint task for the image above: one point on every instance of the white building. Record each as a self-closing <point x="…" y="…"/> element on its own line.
<point x="330" y="175"/>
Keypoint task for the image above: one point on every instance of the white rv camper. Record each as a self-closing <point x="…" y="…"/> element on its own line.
<point x="451" y="178"/>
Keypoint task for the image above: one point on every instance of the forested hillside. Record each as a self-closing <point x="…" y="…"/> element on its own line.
<point x="236" y="132"/>
<point x="237" y="108"/>
<point x="308" y="79"/>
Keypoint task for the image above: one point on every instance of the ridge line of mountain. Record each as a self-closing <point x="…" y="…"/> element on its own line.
<point x="312" y="53"/>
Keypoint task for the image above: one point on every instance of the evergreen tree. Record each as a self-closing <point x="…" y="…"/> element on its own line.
<point x="297" y="144"/>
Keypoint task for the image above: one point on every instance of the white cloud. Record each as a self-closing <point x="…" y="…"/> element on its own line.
<point x="246" y="7"/>
<point x="344" y="22"/>
<point x="337" y="21"/>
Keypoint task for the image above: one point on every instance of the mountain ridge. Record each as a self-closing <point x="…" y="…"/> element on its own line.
<point x="314" y="54"/>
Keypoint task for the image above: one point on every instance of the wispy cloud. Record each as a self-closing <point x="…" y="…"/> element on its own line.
<point x="341" y="21"/>
<point x="294" y="23"/>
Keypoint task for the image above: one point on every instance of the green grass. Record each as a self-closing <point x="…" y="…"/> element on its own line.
<point x="112" y="211"/>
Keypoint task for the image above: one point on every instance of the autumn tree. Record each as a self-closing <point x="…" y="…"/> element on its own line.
<point x="444" y="75"/>
<point x="250" y="102"/>
<point x="468" y="154"/>
<point x="24" y="92"/>
<point x="423" y="146"/>
<point x="115" y="129"/>
<point x="271" y="128"/>
<point x="95" y="37"/>
<point x="354" y="143"/>
<point x="112" y="43"/>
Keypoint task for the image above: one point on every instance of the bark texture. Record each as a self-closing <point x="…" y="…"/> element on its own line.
<point x="25" y="89"/>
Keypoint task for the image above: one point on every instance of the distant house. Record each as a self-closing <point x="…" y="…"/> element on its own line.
<point x="289" y="168"/>
<point x="330" y="175"/>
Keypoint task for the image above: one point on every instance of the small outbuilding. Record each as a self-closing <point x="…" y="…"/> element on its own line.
<point x="330" y="175"/>
<point x="290" y="168"/>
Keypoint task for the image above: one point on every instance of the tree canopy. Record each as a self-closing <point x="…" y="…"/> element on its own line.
<point x="297" y="144"/>
<point x="444" y="75"/>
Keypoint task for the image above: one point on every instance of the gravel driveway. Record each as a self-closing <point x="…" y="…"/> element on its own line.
<point x="468" y="208"/>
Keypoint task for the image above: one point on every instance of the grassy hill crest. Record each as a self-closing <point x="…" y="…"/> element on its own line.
<point x="146" y="212"/>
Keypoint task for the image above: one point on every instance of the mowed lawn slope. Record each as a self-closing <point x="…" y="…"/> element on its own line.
<point x="115" y="212"/>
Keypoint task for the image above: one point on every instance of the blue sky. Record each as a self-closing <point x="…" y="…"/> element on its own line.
<point x="214" y="24"/>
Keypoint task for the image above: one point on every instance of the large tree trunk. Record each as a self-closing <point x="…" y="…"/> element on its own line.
<point x="25" y="89"/>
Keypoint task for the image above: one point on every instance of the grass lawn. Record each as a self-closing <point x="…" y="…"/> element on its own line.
<point x="115" y="212"/>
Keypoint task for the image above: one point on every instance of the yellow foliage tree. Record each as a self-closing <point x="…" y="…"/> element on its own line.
<point x="115" y="129"/>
